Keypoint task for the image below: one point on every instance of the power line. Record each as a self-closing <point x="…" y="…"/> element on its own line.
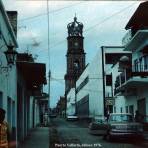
<point x="32" y="17"/>
<point x="48" y="39"/>
<point x="106" y="19"/>
<point x="92" y="27"/>
<point x="100" y="23"/>
<point x="49" y="12"/>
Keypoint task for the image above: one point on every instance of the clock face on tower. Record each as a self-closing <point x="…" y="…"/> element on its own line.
<point x="76" y="44"/>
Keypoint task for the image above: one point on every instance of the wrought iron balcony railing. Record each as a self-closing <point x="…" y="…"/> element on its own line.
<point x="134" y="71"/>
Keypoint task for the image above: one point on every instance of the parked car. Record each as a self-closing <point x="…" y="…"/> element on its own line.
<point x="72" y="118"/>
<point x="123" y="125"/>
<point x="53" y="115"/>
<point x="98" y="126"/>
<point x="118" y="125"/>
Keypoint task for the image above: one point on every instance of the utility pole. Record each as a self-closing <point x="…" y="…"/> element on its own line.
<point x="49" y="89"/>
<point x="48" y="43"/>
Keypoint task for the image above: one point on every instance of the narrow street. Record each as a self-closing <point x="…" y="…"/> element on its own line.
<point x="74" y="134"/>
<point x="73" y="60"/>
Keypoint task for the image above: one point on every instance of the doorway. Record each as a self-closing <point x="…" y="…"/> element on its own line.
<point x="1" y="99"/>
<point x="141" y="104"/>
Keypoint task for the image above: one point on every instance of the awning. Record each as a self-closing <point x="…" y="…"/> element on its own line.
<point x="33" y="73"/>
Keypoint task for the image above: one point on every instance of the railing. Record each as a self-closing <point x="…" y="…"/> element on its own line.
<point x="136" y="70"/>
<point x="108" y="95"/>
<point x="140" y="68"/>
<point x="117" y="82"/>
<point x="121" y="79"/>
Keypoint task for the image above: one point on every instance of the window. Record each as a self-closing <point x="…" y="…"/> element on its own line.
<point x="121" y="109"/>
<point x="136" y="65"/>
<point x="13" y="114"/>
<point x="145" y="62"/>
<point x="76" y="65"/>
<point x="108" y="80"/>
<point x="131" y="109"/>
<point x="114" y="109"/>
<point x="126" y="108"/>
<point x="121" y="118"/>
<point x="9" y="110"/>
<point x="140" y="64"/>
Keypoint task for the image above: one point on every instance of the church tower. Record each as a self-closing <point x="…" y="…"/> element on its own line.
<point x="75" y="54"/>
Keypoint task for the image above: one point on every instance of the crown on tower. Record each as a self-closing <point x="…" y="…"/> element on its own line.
<point x="75" y="28"/>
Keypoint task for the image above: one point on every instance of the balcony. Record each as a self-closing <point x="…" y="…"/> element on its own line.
<point x="136" y="41"/>
<point x="140" y="70"/>
<point x="131" y="79"/>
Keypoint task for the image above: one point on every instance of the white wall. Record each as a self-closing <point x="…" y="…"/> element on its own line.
<point x="83" y="92"/>
<point x="140" y="88"/>
<point x="36" y="114"/>
<point x="71" y="102"/>
<point x="31" y="112"/>
<point x="96" y="86"/>
<point x="8" y="79"/>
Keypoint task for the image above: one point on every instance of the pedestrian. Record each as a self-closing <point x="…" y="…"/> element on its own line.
<point x="4" y="130"/>
<point x="107" y="113"/>
<point x="46" y="119"/>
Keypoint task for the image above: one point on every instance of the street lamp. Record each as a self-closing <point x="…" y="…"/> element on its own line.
<point x="10" y="55"/>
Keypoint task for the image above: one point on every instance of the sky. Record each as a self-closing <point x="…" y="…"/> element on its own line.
<point x="104" y="23"/>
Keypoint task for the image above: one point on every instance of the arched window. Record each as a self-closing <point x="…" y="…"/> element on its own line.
<point x="76" y="65"/>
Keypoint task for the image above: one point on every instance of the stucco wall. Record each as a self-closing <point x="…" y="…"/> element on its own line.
<point x="71" y="102"/>
<point x="8" y="78"/>
<point x="96" y="86"/>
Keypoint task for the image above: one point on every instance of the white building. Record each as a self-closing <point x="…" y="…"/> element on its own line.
<point x="8" y="76"/>
<point x="95" y="87"/>
<point x="118" y="79"/>
<point x="20" y="82"/>
<point x="71" y="102"/>
<point x="134" y="87"/>
<point x="30" y="103"/>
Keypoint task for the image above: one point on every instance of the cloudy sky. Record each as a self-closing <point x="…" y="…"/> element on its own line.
<point x="104" y="23"/>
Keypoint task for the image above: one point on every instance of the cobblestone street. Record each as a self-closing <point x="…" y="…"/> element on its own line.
<point x="74" y="134"/>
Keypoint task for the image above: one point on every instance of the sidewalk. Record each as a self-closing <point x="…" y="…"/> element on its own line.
<point x="38" y="138"/>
